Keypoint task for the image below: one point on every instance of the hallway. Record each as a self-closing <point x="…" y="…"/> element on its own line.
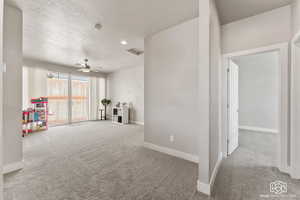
<point x="247" y="174"/>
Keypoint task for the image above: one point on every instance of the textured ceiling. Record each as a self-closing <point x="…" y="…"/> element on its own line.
<point x="62" y="31"/>
<point x="232" y="10"/>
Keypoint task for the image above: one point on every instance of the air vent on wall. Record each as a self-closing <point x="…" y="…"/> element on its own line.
<point x="135" y="51"/>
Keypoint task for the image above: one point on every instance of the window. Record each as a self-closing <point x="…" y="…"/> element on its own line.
<point x="80" y="98"/>
<point x="57" y="92"/>
<point x="71" y="98"/>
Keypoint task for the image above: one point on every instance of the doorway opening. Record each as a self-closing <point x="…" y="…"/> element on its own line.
<point x="256" y="104"/>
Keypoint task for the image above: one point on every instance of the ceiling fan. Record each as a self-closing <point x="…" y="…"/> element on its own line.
<point x="85" y="67"/>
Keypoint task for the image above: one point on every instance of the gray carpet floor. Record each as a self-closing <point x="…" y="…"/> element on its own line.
<point x="248" y="172"/>
<point x="102" y="161"/>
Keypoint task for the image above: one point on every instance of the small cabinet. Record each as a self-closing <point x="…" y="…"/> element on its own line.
<point x="120" y="115"/>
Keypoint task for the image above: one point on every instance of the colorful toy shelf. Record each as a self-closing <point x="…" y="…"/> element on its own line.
<point x="36" y="118"/>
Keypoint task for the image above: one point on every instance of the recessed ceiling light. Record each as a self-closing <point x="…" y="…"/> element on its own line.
<point x="124" y="42"/>
<point x="98" y="26"/>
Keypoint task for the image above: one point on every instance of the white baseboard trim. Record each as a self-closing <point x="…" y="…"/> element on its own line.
<point x="203" y="188"/>
<point x="13" y="167"/>
<point x="138" y="123"/>
<point x="287" y="170"/>
<point x="215" y="171"/>
<point x="295" y="174"/>
<point x="208" y="188"/>
<point x="172" y="152"/>
<point x="259" y="129"/>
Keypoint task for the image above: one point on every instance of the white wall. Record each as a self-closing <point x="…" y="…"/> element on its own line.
<point x="12" y="85"/>
<point x="259" y="90"/>
<point x="30" y="89"/>
<point x="295" y="136"/>
<point x="1" y="98"/>
<point x="203" y="94"/>
<point x="182" y="89"/>
<point x="257" y="31"/>
<point x="295" y="17"/>
<point x="127" y="85"/>
<point x="171" y="92"/>
<point x="215" y="88"/>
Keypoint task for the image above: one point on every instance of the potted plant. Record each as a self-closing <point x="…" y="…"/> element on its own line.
<point x="105" y="103"/>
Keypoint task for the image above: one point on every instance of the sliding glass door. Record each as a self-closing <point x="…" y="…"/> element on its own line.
<point x="72" y="98"/>
<point x="58" y="97"/>
<point x="62" y="108"/>
<point x="80" y="98"/>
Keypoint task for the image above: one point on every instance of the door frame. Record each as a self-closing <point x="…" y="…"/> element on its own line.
<point x="283" y="156"/>
<point x="294" y="143"/>
<point x="229" y="82"/>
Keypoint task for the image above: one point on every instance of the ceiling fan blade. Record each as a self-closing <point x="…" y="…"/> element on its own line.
<point x="85" y="70"/>
<point x="97" y="69"/>
<point x="79" y="64"/>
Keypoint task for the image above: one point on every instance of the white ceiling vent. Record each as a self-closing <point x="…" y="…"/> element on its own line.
<point x="135" y="51"/>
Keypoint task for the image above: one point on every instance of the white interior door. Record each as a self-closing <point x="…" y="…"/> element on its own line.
<point x="233" y="107"/>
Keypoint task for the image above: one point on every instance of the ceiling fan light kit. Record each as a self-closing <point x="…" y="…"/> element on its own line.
<point x="85" y="67"/>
